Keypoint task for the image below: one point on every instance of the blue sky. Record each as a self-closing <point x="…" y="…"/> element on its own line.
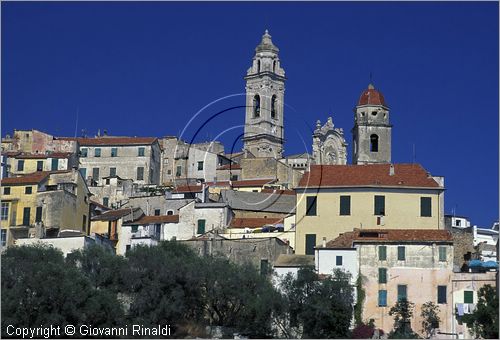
<point x="144" y="69"/>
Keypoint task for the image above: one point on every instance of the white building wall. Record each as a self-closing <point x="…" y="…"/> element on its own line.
<point x="325" y="261"/>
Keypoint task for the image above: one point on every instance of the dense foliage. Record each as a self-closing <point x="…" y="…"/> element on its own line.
<point x="402" y="312"/>
<point x="430" y="318"/>
<point x="169" y="284"/>
<point x="483" y="322"/>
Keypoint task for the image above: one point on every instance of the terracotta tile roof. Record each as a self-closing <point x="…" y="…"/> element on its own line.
<point x="188" y="188"/>
<point x="116" y="141"/>
<point x="278" y="192"/>
<point x="405" y="175"/>
<point x="371" y="96"/>
<point x="347" y="239"/>
<point x="253" y="222"/>
<point x="33" y="178"/>
<point x="22" y="155"/>
<point x="252" y="182"/>
<point x="145" y="220"/>
<point x="230" y="167"/>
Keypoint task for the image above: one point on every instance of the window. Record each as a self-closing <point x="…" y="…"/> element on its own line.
<point x="20" y="165"/>
<point x="178" y="171"/>
<point x="97" y="152"/>
<point x="258" y="66"/>
<point x="140" y="173"/>
<point x="157" y="212"/>
<point x="26" y="216"/>
<point x="170" y="212"/>
<point x="311" y="205"/>
<point x="4" y="212"/>
<point x="6" y="191"/>
<point x="468" y="296"/>
<point x="135" y="228"/>
<point x="84" y="152"/>
<point x="54" y="164"/>
<point x="84" y="223"/>
<point x="458" y="223"/>
<point x="107" y="181"/>
<point x="38" y="214"/>
<point x="28" y="190"/>
<point x="402" y="293"/>
<point x="442" y="254"/>
<point x="345" y="205"/>
<point x="382" y="298"/>
<point x="140" y="152"/>
<point x="3" y="237"/>
<point x="39" y="166"/>
<point x="379" y="205"/>
<point x="425" y="206"/>
<point x="264" y="267"/>
<point x="234" y="177"/>
<point x="441" y="294"/>
<point x="127" y="247"/>
<point x="382" y="253"/>
<point x="201" y="226"/>
<point x="200" y="165"/>
<point x="273" y="107"/>
<point x="114" y="152"/>
<point x="112" y="172"/>
<point x="382" y="275"/>
<point x="105" y="201"/>
<point x="169" y="172"/>
<point x="338" y="260"/>
<point x="401" y="253"/>
<point x="95" y="174"/>
<point x="83" y="171"/>
<point x="256" y="106"/>
<point x="310" y="243"/>
<point x="374" y="143"/>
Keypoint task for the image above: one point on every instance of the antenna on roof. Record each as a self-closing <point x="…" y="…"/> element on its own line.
<point x="414" y="155"/>
<point x="371" y="78"/>
<point x="76" y="124"/>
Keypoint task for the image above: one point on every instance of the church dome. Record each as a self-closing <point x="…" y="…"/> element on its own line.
<point x="371" y="96"/>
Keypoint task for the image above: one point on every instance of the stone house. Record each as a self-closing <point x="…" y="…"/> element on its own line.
<point x="332" y="199"/>
<point x="415" y="264"/>
<point x="18" y="163"/>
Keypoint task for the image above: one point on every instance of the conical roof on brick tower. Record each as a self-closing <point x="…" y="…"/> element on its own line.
<point x="371" y="96"/>
<point x="266" y="44"/>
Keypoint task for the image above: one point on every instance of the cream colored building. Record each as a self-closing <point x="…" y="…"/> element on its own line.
<point x="332" y="199"/>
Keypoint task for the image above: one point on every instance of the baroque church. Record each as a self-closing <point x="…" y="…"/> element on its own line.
<point x="264" y="120"/>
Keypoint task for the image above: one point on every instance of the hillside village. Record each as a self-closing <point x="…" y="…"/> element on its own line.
<point x="382" y="221"/>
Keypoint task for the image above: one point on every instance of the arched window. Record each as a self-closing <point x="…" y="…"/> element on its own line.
<point x="256" y="106"/>
<point x="258" y="66"/>
<point x="273" y="107"/>
<point x="374" y="143"/>
<point x="170" y="212"/>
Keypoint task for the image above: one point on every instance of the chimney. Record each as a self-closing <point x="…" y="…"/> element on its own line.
<point x="324" y="242"/>
<point x="391" y="170"/>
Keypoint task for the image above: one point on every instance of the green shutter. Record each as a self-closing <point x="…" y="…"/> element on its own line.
<point x="379" y="205"/>
<point x="468" y="296"/>
<point x="441" y="294"/>
<point x="425" y="206"/>
<point x="345" y="205"/>
<point x="382" y="275"/>
<point x="402" y="292"/>
<point x="382" y="253"/>
<point x="201" y="226"/>
<point x="401" y="253"/>
<point x="55" y="164"/>
<point x="442" y="254"/>
<point x="38" y="215"/>
<point x="310" y="243"/>
<point x="26" y="216"/>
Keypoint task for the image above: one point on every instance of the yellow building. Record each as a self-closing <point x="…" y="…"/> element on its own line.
<point x="19" y="163"/>
<point x="333" y="199"/>
<point x="42" y="204"/>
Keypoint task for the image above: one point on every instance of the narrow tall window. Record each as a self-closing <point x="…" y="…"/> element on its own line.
<point x="382" y="253"/>
<point x="273" y="107"/>
<point x="258" y="66"/>
<point x="39" y="166"/>
<point x="200" y="165"/>
<point x="83" y="171"/>
<point x="26" y="216"/>
<point x="157" y="212"/>
<point x="140" y="173"/>
<point x="105" y="201"/>
<point x="379" y="203"/>
<point x="468" y="296"/>
<point x="114" y="152"/>
<point x="382" y="298"/>
<point x="274" y="66"/>
<point x="345" y="205"/>
<point x="402" y="292"/>
<point x="201" y="227"/>
<point x="338" y="260"/>
<point x="441" y="294"/>
<point x="178" y="171"/>
<point x="256" y="106"/>
<point x="382" y="275"/>
<point x="84" y="223"/>
<point x="401" y="253"/>
<point x="374" y="143"/>
<point x="310" y="243"/>
<point x="20" y="165"/>
<point x="95" y="174"/>
<point x="38" y="214"/>
<point x="97" y="152"/>
<point x="311" y="206"/>
<point x="442" y="254"/>
<point x="4" y="213"/>
<point x="425" y="206"/>
<point x="54" y="165"/>
<point x="112" y="172"/>
<point x="3" y="238"/>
